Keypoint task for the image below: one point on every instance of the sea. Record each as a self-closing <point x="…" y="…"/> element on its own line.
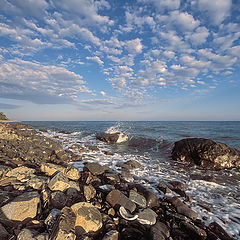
<point x="150" y="143"/>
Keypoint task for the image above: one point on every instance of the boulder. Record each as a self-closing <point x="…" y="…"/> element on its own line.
<point x="147" y="216"/>
<point x="89" y="192"/>
<point x="59" y="183"/>
<point x="137" y="198"/>
<point x="131" y="164"/>
<point x="159" y="231"/>
<point x="88" y="218"/>
<point x="206" y="153"/>
<point x="108" y="137"/>
<point x="96" y="169"/>
<point x="21" y="208"/>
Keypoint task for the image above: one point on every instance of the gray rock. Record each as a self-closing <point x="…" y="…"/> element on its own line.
<point x="131" y="164"/>
<point x="137" y="198"/>
<point x="159" y="231"/>
<point x="58" y="199"/>
<point x="95" y="168"/>
<point x="52" y="218"/>
<point x="206" y="153"/>
<point x="147" y="216"/>
<point x="4" y="235"/>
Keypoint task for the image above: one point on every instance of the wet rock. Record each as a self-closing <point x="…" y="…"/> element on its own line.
<point x="50" y="168"/>
<point x="88" y="218"/>
<point x="63" y="235"/>
<point x="206" y="153"/>
<point x="151" y="198"/>
<point x="159" y="231"/>
<point x="126" y="215"/>
<point x="93" y="148"/>
<point x="52" y="218"/>
<point x="89" y="192"/>
<point x="108" y="153"/>
<point x="111" y="178"/>
<point x="138" y="198"/>
<point x="204" y="178"/>
<point x="21" y="208"/>
<point x="111" y="235"/>
<point x="176" y="185"/>
<point x="164" y="187"/>
<point x="4" y="235"/>
<point x="183" y="208"/>
<point x="131" y="164"/>
<point x="58" y="199"/>
<point x="108" y="137"/>
<point x="59" y="182"/>
<point x="219" y="231"/>
<point x="147" y="216"/>
<point x="116" y="197"/>
<point x="193" y="231"/>
<point x="95" y="168"/>
<point x="130" y="233"/>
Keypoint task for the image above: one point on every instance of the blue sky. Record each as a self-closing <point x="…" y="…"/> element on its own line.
<point x="120" y="60"/>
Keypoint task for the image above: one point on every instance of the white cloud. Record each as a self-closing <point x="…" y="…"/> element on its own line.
<point x="199" y="36"/>
<point x="162" y="5"/>
<point x="39" y="83"/>
<point x="134" y="46"/>
<point x="169" y="54"/>
<point x="217" y="10"/>
<point x="103" y="93"/>
<point x="96" y="59"/>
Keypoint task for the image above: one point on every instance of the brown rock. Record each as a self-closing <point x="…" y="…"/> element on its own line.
<point x="59" y="182"/>
<point x="4" y="235"/>
<point x="111" y="235"/>
<point x="89" y="192"/>
<point x="88" y="218"/>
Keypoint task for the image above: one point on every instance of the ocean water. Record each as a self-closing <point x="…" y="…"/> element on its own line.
<point x="150" y="143"/>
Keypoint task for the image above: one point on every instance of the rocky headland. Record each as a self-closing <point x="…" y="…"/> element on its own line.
<point x="42" y="196"/>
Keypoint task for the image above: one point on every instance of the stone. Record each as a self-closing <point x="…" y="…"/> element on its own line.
<point x="164" y="187"/>
<point x="4" y="170"/>
<point x="159" y="231"/>
<point x="147" y="216"/>
<point x="95" y="168"/>
<point x="176" y="185"/>
<point x="219" y="231"/>
<point x="88" y="218"/>
<point x="20" y="172"/>
<point x="58" y="199"/>
<point x="25" y="234"/>
<point x="108" y="137"/>
<point x="131" y="164"/>
<point x="37" y="182"/>
<point x="111" y="235"/>
<point x="206" y="153"/>
<point x="193" y="231"/>
<point x="62" y="235"/>
<point x="21" y="208"/>
<point x="72" y="173"/>
<point x="137" y="198"/>
<point x="52" y="218"/>
<point x="89" y="192"/>
<point x="4" y="235"/>
<point x="59" y="183"/>
<point x="116" y="197"/>
<point x="183" y="208"/>
<point x="50" y="168"/>
<point x="111" y="178"/>
<point x="151" y="198"/>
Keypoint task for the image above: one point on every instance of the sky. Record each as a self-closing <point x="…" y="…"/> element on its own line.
<point x="120" y="59"/>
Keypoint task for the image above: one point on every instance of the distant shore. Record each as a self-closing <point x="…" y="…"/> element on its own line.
<point x="7" y="121"/>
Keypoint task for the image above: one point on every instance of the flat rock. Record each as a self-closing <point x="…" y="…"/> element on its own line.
<point x="88" y="218"/>
<point x="20" y="172"/>
<point x="50" y="168"/>
<point x="116" y="197"/>
<point x="138" y="198"/>
<point x="206" y="153"/>
<point x="147" y="216"/>
<point x="22" y="207"/>
<point x="131" y="164"/>
<point x="95" y="168"/>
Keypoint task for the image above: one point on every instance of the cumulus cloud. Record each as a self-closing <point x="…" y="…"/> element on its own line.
<point x="217" y="10"/>
<point x="96" y="59"/>
<point x="134" y="46"/>
<point x="162" y="5"/>
<point x="199" y="36"/>
<point x="103" y="93"/>
<point x="39" y="83"/>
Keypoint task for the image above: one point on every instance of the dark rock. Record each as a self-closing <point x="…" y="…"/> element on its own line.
<point x="131" y="233"/>
<point x="58" y="199"/>
<point x="95" y="168"/>
<point x="65" y="132"/>
<point x="4" y="235"/>
<point x="183" y="208"/>
<point x="131" y="164"/>
<point x="159" y="231"/>
<point x="152" y="199"/>
<point x="93" y="148"/>
<point x="206" y="153"/>
<point x="111" y="235"/>
<point x="108" y="137"/>
<point x="164" y="187"/>
<point x="202" y="177"/>
<point x="176" y="185"/>
<point x="137" y="198"/>
<point x="219" y="231"/>
<point x="115" y="197"/>
<point x="193" y="231"/>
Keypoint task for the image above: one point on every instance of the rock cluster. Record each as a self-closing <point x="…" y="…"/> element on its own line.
<point x="206" y="153"/>
<point x="42" y="197"/>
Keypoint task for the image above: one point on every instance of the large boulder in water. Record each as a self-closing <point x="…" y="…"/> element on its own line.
<point x="206" y="153"/>
<point x="109" y="137"/>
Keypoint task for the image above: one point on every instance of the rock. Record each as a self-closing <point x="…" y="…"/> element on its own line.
<point x="25" y="234"/>
<point x="37" y="182"/>
<point x="95" y="168"/>
<point x="130" y="233"/>
<point x="62" y="235"/>
<point x="4" y="170"/>
<point x="21" y="208"/>
<point x="131" y="164"/>
<point x="159" y="231"/>
<point x="93" y="148"/>
<point x="193" y="231"/>
<point x="20" y="172"/>
<point x="52" y="218"/>
<point x="88" y="218"/>
<point x="108" y="137"/>
<point x="4" y="235"/>
<point x="72" y="173"/>
<point x="206" y="153"/>
<point x="59" y="183"/>
<point x="202" y="177"/>
<point x="111" y="235"/>
<point x="176" y="185"/>
<point x="89" y="192"/>
<point x="126" y="215"/>
<point x="183" y="208"/>
<point x="50" y="168"/>
<point x="151" y="198"/>
<point x="116" y="197"/>
<point x="58" y="199"/>
<point x="219" y="231"/>
<point x="137" y="198"/>
<point x="147" y="216"/>
<point x="164" y="187"/>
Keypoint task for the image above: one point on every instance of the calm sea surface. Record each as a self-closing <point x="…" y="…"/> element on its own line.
<point x="150" y="143"/>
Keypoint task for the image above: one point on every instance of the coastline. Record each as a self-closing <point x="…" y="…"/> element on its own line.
<point x="41" y="173"/>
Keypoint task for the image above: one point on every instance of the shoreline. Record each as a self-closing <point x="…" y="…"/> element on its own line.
<point x="41" y="173"/>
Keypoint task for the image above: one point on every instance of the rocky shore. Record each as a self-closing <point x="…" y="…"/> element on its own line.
<point x="43" y="197"/>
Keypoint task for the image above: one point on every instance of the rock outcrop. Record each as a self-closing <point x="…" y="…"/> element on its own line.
<point x="108" y="137"/>
<point x="206" y="153"/>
